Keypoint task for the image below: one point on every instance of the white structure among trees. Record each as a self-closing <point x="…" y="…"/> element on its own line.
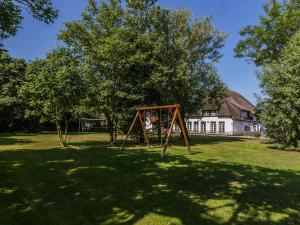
<point x="231" y="115"/>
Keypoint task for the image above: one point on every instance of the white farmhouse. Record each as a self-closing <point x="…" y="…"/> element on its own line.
<point x="233" y="114"/>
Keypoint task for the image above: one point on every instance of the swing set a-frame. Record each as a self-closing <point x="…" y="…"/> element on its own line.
<point x="174" y="110"/>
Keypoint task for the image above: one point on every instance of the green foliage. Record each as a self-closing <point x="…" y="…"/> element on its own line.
<point x="281" y="109"/>
<point x="268" y="44"/>
<point x="10" y="18"/>
<point x="11" y="14"/>
<point x="11" y="75"/>
<point x="263" y="43"/>
<point x="52" y="89"/>
<point x="143" y="54"/>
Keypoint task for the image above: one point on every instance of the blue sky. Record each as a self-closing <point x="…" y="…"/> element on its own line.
<point x="36" y="38"/>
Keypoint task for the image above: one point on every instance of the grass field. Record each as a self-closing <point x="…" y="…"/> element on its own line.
<point x="224" y="181"/>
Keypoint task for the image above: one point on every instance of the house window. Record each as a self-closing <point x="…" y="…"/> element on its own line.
<point x="206" y="113"/>
<point x="213" y="127"/>
<point x="213" y="113"/>
<point x="203" y="127"/>
<point x="245" y="114"/>
<point x="210" y="113"/>
<point x="189" y="126"/>
<point x="196" y="127"/>
<point x="247" y="128"/>
<point x="221" y="127"/>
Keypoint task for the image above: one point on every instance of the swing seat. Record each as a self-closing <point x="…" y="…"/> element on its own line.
<point x="154" y="119"/>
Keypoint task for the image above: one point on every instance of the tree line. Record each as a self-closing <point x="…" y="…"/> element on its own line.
<point x="116" y="58"/>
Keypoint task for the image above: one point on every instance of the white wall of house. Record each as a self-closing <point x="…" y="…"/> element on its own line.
<point x="212" y="125"/>
<point x="240" y="126"/>
<point x="230" y="126"/>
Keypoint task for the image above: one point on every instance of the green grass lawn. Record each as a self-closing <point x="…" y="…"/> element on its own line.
<point x="224" y="181"/>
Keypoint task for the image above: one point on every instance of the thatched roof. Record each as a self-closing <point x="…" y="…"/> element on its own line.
<point x="229" y="106"/>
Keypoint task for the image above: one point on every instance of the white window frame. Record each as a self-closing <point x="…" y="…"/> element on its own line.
<point x="196" y="126"/>
<point x="221" y="126"/>
<point x="210" y="113"/>
<point x="203" y="127"/>
<point x="189" y="126"/>
<point x="213" y="129"/>
<point x="213" y="113"/>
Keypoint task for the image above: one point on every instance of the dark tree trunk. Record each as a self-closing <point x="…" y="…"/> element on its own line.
<point x="141" y="137"/>
<point x="59" y="133"/>
<point x="66" y="141"/>
<point x="110" y="125"/>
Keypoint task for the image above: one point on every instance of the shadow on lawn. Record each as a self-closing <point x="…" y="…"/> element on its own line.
<point x="198" y="140"/>
<point x="194" y="140"/>
<point x="104" y="186"/>
<point x="6" y="140"/>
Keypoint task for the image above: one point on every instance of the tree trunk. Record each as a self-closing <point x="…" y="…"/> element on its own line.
<point x="159" y="121"/>
<point x="159" y="128"/>
<point x="141" y="137"/>
<point x="111" y="136"/>
<point x="66" y="132"/>
<point x="59" y="133"/>
<point x="110" y="128"/>
<point x="115" y="131"/>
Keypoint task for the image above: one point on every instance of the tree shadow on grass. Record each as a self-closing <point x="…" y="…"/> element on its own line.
<point x="209" y="140"/>
<point x="194" y="140"/>
<point x="7" y="140"/>
<point x="104" y="186"/>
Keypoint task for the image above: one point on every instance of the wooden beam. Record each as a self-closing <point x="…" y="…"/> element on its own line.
<point x="143" y="127"/>
<point x="169" y="132"/>
<point x="130" y="129"/>
<point x="183" y="129"/>
<point x="158" y="107"/>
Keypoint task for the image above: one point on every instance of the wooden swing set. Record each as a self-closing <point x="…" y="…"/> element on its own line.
<point x="174" y="110"/>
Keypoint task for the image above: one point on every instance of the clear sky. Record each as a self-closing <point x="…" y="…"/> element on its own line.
<point x="36" y="38"/>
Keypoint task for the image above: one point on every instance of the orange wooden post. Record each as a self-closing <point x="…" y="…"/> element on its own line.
<point x="130" y="129"/>
<point x="185" y="135"/>
<point x="143" y="127"/>
<point x="169" y="133"/>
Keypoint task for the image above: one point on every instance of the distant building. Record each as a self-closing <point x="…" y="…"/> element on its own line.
<point x="231" y="115"/>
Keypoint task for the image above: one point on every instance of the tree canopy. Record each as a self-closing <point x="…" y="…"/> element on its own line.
<point x="52" y="89"/>
<point x="143" y="54"/>
<point x="263" y="43"/>
<point x="11" y="14"/>
<point x="11" y="75"/>
<point x="280" y="81"/>
<point x="274" y="45"/>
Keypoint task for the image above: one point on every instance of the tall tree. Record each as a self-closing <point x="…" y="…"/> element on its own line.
<point x="11" y="14"/>
<point x="52" y="89"/>
<point x="100" y="40"/>
<point x="183" y="54"/>
<point x="263" y="43"/>
<point x="143" y="54"/>
<point x="280" y="82"/>
<point x="12" y="73"/>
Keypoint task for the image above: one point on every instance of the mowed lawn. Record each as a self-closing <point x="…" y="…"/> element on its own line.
<point x="224" y="181"/>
